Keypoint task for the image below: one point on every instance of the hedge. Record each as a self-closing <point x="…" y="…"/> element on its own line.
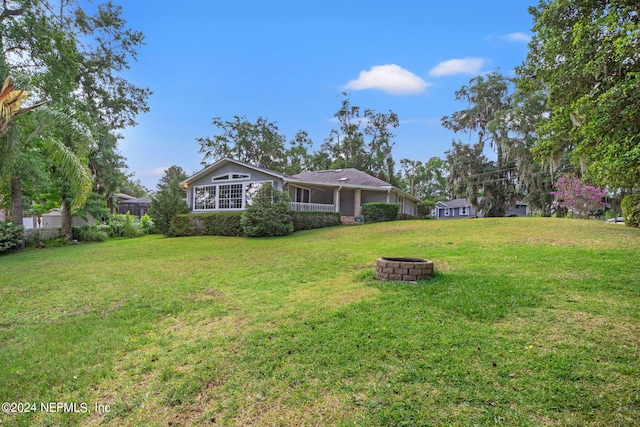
<point x="206" y="224"/>
<point x="228" y="223"/>
<point x="631" y="210"/>
<point x="307" y="220"/>
<point x="380" y="212"/>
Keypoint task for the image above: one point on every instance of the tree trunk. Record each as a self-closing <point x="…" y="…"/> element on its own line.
<point x="66" y="219"/>
<point x="16" y="200"/>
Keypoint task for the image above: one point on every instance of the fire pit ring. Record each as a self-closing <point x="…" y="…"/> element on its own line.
<point x="403" y="269"/>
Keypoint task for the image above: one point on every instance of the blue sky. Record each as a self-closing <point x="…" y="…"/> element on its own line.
<point x="289" y="62"/>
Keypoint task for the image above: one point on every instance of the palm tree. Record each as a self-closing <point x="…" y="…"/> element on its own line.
<point x="54" y="133"/>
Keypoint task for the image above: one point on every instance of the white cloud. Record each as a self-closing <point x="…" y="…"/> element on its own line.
<point x="390" y="78"/>
<point x="458" y="66"/>
<point x="517" y="38"/>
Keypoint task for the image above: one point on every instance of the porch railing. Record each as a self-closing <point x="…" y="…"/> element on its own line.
<point x="315" y="207"/>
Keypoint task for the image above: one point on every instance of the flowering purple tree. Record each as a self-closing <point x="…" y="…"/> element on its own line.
<point x="579" y="199"/>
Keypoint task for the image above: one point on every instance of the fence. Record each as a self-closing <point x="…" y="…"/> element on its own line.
<point x="314" y="207"/>
<point x="36" y="234"/>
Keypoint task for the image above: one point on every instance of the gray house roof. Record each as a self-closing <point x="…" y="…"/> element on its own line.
<point x="348" y="178"/>
<point x="455" y="203"/>
<point x="345" y="177"/>
<point x="138" y="200"/>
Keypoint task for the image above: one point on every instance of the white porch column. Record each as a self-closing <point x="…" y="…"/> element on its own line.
<point x="357" y="202"/>
<point x="336" y="198"/>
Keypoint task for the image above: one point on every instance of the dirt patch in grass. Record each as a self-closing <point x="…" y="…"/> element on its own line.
<point x="212" y="293"/>
<point x="291" y="409"/>
<point x="333" y="294"/>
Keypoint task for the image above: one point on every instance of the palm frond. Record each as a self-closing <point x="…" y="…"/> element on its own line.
<point x="74" y="169"/>
<point x="66" y="124"/>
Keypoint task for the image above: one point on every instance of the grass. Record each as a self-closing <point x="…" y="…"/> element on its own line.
<point x="528" y="322"/>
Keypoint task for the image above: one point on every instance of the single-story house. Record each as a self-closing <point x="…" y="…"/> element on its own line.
<point x="462" y="208"/>
<point x="137" y="206"/>
<point x="457" y="208"/>
<point x="229" y="185"/>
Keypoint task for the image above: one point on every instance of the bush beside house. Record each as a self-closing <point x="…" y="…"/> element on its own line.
<point x="269" y="215"/>
<point x="380" y="212"/>
<point x="206" y="224"/>
<point x="425" y="208"/>
<point x="228" y="223"/>
<point x="306" y="220"/>
<point x="631" y="210"/>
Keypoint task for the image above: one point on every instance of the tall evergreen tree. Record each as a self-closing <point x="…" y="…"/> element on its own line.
<point x="269" y="215"/>
<point x="168" y="201"/>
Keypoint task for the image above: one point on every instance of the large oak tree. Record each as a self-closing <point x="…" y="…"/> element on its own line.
<point x="586" y="56"/>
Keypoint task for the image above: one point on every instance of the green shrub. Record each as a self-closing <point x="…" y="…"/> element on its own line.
<point x="206" y="224"/>
<point x="181" y="225"/>
<point x="306" y="220"/>
<point x="631" y="210"/>
<point x="125" y="225"/>
<point x="89" y="233"/>
<point x="224" y="224"/>
<point x="169" y="200"/>
<point x="146" y="223"/>
<point x="11" y="236"/>
<point x="425" y="208"/>
<point x="380" y="212"/>
<point x="269" y="215"/>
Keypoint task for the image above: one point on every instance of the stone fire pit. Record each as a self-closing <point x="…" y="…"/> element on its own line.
<point x="404" y="269"/>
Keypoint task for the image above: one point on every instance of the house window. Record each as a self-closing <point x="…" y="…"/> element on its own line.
<point x="231" y="177"/>
<point x="464" y="210"/>
<point x="303" y="195"/>
<point x="446" y="211"/>
<point x="205" y="197"/>
<point x="230" y="196"/>
<point x="225" y="196"/>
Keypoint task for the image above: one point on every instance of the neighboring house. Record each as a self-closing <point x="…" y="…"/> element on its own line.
<point x="461" y="208"/>
<point x="518" y="209"/>
<point x="457" y="208"/>
<point x="137" y="206"/>
<point x="53" y="219"/>
<point x="230" y="185"/>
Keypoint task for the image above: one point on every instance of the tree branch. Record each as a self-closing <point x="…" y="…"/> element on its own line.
<point x="6" y="12"/>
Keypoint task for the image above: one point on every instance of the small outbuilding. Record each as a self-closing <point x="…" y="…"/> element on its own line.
<point x="137" y="206"/>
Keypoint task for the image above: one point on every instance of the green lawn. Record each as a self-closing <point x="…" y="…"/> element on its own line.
<point x="528" y="322"/>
